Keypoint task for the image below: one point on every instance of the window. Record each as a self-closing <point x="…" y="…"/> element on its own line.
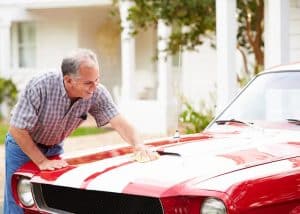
<point x="24" y="45"/>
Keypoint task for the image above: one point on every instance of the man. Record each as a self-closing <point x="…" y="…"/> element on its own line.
<point x="51" y="107"/>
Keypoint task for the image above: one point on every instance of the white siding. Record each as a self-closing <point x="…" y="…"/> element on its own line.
<point x="199" y="70"/>
<point x="58" y="31"/>
<point x="294" y="30"/>
<point x="54" y="39"/>
<point x="146" y="75"/>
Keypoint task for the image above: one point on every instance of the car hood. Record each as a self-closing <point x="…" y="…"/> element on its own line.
<point x="180" y="163"/>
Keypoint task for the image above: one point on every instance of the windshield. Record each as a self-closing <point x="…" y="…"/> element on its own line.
<point x="269" y="97"/>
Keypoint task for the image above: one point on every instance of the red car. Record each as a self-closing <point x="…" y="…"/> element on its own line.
<point x="246" y="161"/>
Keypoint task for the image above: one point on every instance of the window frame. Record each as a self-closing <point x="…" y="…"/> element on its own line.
<point x="17" y="45"/>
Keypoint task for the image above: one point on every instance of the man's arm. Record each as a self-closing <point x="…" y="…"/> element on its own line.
<point x="131" y="136"/>
<point x="27" y="145"/>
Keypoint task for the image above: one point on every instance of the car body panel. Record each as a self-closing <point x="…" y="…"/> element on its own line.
<point x="252" y="167"/>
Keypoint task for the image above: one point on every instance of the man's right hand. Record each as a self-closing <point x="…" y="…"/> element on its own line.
<point x="26" y="143"/>
<point x="47" y="164"/>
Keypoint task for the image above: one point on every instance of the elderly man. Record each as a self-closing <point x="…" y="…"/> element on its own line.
<point x="51" y="107"/>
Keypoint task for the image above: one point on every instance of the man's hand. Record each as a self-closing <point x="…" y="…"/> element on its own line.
<point x="52" y="164"/>
<point x="144" y="154"/>
<point x="27" y="145"/>
<point x="131" y="136"/>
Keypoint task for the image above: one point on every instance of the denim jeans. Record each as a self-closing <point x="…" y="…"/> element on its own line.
<point x="14" y="159"/>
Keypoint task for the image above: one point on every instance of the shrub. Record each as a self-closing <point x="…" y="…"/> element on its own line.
<point x="194" y="121"/>
<point x="8" y="93"/>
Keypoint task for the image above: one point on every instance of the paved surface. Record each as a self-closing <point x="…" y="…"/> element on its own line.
<point x="71" y="145"/>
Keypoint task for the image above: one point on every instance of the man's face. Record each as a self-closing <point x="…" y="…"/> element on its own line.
<point x="85" y="83"/>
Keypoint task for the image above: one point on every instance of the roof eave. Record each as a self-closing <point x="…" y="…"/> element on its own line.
<point x="47" y="4"/>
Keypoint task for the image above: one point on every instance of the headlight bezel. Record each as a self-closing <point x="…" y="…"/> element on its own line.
<point x="24" y="192"/>
<point x="213" y="204"/>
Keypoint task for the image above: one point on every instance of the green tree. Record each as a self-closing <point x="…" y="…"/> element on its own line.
<point x="250" y="32"/>
<point x="198" y="18"/>
<point x="193" y="20"/>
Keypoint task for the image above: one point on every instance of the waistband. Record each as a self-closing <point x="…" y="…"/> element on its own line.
<point x="44" y="146"/>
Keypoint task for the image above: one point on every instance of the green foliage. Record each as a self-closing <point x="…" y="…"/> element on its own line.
<point x="82" y="131"/>
<point x="250" y="21"/>
<point x="191" y="20"/>
<point x="3" y="131"/>
<point x="194" y="121"/>
<point x="8" y="92"/>
<point x="197" y="16"/>
<point x="250" y="32"/>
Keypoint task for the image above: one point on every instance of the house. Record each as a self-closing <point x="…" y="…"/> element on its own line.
<point x="35" y="34"/>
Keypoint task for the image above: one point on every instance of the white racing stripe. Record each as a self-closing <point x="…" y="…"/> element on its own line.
<point x="164" y="172"/>
<point x="75" y="177"/>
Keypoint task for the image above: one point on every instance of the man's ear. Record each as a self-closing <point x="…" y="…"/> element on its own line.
<point x="67" y="79"/>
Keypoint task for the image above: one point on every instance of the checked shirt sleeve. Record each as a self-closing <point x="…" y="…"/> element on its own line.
<point x="103" y="108"/>
<point x="25" y="113"/>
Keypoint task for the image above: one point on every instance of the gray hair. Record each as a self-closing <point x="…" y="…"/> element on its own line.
<point x="70" y="64"/>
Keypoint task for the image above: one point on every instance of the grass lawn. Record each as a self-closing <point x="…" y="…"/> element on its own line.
<point x="81" y="131"/>
<point x="3" y="131"/>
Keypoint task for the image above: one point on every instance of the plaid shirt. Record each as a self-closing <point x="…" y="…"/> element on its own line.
<point x="45" y="111"/>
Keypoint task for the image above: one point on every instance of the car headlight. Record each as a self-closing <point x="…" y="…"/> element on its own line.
<point x="24" y="192"/>
<point x="213" y="206"/>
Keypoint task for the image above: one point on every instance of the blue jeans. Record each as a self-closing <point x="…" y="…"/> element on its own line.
<point x="14" y="159"/>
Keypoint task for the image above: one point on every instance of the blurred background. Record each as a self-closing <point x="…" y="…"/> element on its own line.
<point x="168" y="64"/>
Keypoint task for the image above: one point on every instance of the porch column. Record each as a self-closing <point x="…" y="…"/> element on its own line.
<point x="226" y="51"/>
<point x="164" y="92"/>
<point x="127" y="53"/>
<point x="5" y="48"/>
<point x="276" y="32"/>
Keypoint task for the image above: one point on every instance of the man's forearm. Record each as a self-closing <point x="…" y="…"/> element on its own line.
<point x="27" y="145"/>
<point x="126" y="131"/>
<point x="131" y="135"/>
